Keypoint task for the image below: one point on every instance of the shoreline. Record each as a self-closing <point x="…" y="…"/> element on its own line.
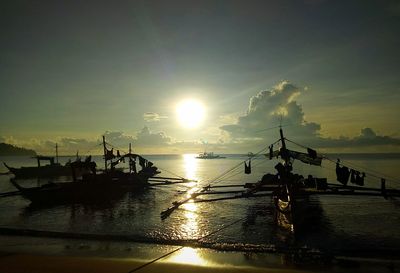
<point x="43" y="254"/>
<point x="383" y="254"/>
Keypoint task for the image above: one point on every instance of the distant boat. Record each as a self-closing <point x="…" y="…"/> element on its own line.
<point x="210" y="155"/>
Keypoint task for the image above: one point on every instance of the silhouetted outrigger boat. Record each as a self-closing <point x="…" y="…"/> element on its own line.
<point x="290" y="191"/>
<point x="52" y="169"/>
<point x="110" y="184"/>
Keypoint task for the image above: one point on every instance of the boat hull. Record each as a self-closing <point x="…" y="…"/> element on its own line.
<point x="91" y="189"/>
<point x="47" y="171"/>
<point x="291" y="210"/>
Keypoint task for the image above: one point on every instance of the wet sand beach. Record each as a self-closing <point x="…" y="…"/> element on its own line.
<point x="23" y="254"/>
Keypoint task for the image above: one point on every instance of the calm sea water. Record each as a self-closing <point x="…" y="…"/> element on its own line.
<point x="341" y="224"/>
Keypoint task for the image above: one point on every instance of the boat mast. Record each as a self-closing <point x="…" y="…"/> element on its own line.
<point x="130" y="158"/>
<point x="56" y="153"/>
<point x="284" y="152"/>
<point x="105" y="153"/>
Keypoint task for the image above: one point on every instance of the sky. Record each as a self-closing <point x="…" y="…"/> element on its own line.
<point x="327" y="71"/>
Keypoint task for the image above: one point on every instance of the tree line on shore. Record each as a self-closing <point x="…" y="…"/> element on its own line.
<point x="11" y="150"/>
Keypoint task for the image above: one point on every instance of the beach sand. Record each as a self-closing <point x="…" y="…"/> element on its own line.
<point x="24" y="254"/>
<point x="22" y="263"/>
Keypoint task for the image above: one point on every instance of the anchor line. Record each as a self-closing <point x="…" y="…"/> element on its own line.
<point x="214" y="181"/>
<point x="171" y="172"/>
<point x="236" y="173"/>
<point x="217" y="179"/>
<point x="179" y="248"/>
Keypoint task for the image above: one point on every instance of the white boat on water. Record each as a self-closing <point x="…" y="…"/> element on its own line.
<point x="209" y="155"/>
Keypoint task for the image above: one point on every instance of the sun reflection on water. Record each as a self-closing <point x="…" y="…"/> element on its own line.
<point x="190" y="166"/>
<point x="188" y="255"/>
<point x="189" y="224"/>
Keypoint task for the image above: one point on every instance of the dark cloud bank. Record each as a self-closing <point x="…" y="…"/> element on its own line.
<point x="144" y="138"/>
<point x="277" y="106"/>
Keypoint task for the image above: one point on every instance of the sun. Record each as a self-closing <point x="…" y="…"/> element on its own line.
<point x="190" y="113"/>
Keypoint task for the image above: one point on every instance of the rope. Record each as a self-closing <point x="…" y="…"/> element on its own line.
<point x="215" y="180"/>
<point x="179" y="248"/>
<point x="155" y="260"/>
<point x="372" y="173"/>
<point x="171" y="172"/>
<point x="205" y="188"/>
<point x="236" y="173"/>
<point x="157" y="167"/>
<point x="302" y="146"/>
<point x="92" y="148"/>
<point x="270" y="128"/>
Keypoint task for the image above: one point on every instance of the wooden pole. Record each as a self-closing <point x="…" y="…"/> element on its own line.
<point x="105" y="153"/>
<point x="383" y="187"/>
<point x="56" y="153"/>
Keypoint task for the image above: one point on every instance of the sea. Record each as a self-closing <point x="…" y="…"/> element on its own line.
<point x="360" y="226"/>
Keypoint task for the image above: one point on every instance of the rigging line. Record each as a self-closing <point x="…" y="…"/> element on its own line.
<point x="276" y="142"/>
<point x="373" y="173"/>
<point x="233" y="168"/>
<point x="232" y="175"/>
<point x="223" y="176"/>
<point x="270" y="128"/>
<point x="171" y="173"/>
<point x="255" y="165"/>
<point x="221" y="228"/>
<point x="93" y="147"/>
<point x="179" y="248"/>
<point x="256" y="154"/>
<point x="367" y="178"/>
<point x="219" y="178"/>
<point x="390" y="180"/>
<point x="143" y="157"/>
<point x="214" y="181"/>
<point x="155" y="260"/>
<point x="302" y="146"/>
<point x="122" y="150"/>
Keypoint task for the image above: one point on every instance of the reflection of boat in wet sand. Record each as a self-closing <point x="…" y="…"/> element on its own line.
<point x="93" y="187"/>
<point x="209" y="155"/>
<point x="52" y="169"/>
<point x="289" y="191"/>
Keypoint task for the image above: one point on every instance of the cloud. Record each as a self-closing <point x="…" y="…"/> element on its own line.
<point x="118" y="138"/>
<point x="143" y="138"/>
<point x="151" y="117"/>
<point x="366" y="138"/>
<point x="142" y="141"/>
<point x="268" y="108"/>
<point x="81" y="145"/>
<point x="146" y="138"/>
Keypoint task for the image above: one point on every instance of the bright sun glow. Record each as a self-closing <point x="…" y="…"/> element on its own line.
<point x="190" y="113"/>
<point x="188" y="255"/>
